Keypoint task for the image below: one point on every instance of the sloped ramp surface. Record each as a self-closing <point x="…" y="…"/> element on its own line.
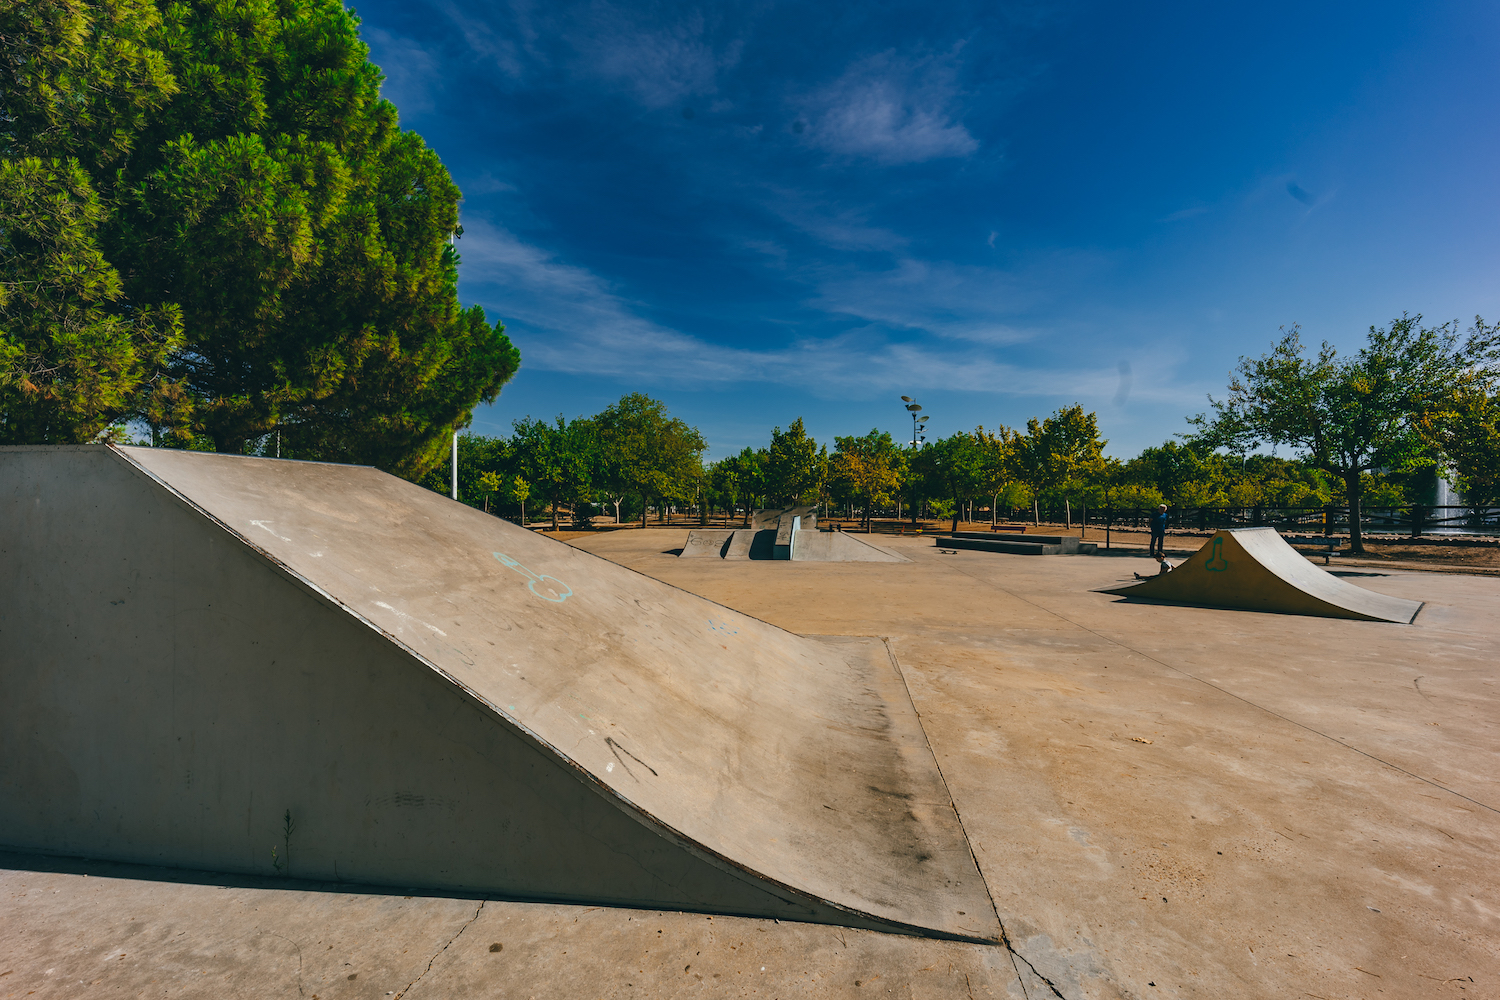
<point x="1254" y="569"/>
<point x="199" y="646"/>
<point x="808" y="546"/>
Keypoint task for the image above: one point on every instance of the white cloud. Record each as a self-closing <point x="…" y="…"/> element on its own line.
<point x="891" y="110"/>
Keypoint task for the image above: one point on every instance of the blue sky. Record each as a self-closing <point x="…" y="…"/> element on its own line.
<point x="759" y="211"/>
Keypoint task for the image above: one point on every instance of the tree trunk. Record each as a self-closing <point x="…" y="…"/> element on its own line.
<point x="958" y="506"/>
<point x="1067" y="514"/>
<point x="523" y="513"/>
<point x="1354" y="493"/>
<point x="1036" y="509"/>
<point x="554" y="513"/>
<point x="643" y="510"/>
<point x="994" y="509"/>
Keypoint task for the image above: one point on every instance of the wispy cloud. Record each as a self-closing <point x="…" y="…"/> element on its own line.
<point x="411" y="71"/>
<point x="890" y="109"/>
<point x="567" y="319"/>
<point x="662" y="63"/>
<point x="835" y="226"/>
<point x="982" y="305"/>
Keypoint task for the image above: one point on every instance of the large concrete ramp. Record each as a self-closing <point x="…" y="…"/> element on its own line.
<point x="1254" y="569"/>
<point x="194" y="647"/>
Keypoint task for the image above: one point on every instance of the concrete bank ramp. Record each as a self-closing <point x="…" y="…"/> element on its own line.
<point x="197" y="647"/>
<point x="783" y="533"/>
<point x="1254" y="569"/>
<point x="800" y="546"/>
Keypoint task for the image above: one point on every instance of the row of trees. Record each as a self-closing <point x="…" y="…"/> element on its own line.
<point x="212" y="224"/>
<point x="1368" y="429"/>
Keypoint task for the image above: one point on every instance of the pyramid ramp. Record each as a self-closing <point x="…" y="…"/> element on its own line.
<point x="197" y="647"/>
<point x="1254" y="569"/>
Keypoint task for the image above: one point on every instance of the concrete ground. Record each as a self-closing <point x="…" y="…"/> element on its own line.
<point x="1165" y="802"/>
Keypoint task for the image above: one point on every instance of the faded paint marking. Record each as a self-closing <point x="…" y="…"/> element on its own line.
<point x="403" y="614"/>
<point x="559" y="591"/>
<point x="267" y="525"/>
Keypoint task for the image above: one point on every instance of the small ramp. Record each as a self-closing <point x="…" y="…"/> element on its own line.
<point x="1254" y="569"/>
<point x="788" y="533"/>
<point x="199" y="647"/>
<point x="706" y="543"/>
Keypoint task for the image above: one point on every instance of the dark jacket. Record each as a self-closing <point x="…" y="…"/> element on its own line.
<point x="1159" y="523"/>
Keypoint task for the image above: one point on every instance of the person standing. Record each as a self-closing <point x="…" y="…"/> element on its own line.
<point x="1159" y="534"/>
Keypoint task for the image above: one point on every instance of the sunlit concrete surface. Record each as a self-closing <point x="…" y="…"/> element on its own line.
<point x="1163" y="801"/>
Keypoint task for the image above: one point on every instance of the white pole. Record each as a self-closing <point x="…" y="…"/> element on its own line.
<point x="455" y="465"/>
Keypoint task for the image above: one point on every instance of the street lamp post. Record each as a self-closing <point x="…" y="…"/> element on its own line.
<point x="917" y="427"/>
<point x="913" y="407"/>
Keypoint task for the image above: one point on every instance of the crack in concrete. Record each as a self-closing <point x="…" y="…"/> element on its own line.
<point x="438" y="954"/>
<point x="1004" y="935"/>
<point x="1014" y="955"/>
<point x="300" y="991"/>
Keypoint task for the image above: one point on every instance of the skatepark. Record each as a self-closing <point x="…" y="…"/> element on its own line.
<point x="965" y="774"/>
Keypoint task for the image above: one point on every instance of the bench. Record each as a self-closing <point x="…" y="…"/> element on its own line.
<point x="1328" y="545"/>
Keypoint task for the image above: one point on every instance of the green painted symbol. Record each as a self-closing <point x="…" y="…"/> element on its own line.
<point x="1216" y="562"/>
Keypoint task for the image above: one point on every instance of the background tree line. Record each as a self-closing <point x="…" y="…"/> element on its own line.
<point x="1368" y="430"/>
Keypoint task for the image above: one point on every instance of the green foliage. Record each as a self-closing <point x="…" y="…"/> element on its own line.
<point x="953" y="470"/>
<point x="242" y="241"/>
<point x="1061" y="455"/>
<point x="794" y="469"/>
<point x="867" y="470"/>
<point x="1467" y="432"/>
<point x="736" y="479"/>
<point x="1347" y="415"/>
<point x="647" y="452"/>
<point x="1136" y="495"/>
<point x="558" y="459"/>
<point x="74" y="358"/>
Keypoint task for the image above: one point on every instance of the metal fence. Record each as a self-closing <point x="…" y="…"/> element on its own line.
<point x="1414" y="520"/>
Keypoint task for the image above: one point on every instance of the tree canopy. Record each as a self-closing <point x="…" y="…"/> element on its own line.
<point x="794" y="470"/>
<point x="214" y="223"/>
<point x="1348" y="415"/>
<point x="868" y="469"/>
<point x="646" y="451"/>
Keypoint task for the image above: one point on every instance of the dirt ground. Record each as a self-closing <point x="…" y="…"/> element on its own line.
<point x="1163" y="801"/>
